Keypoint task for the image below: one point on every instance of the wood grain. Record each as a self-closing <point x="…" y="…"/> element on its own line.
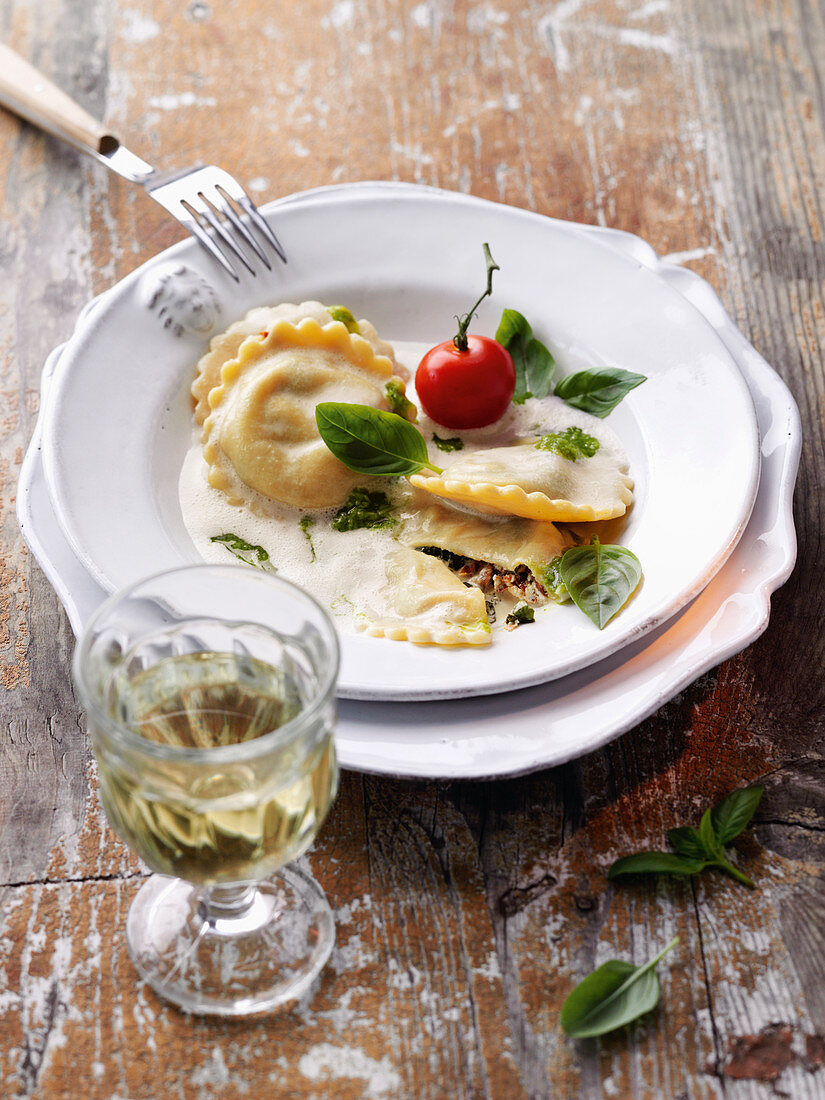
<point x="465" y="912"/>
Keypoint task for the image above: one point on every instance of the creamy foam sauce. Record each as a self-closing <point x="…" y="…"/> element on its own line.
<point x="346" y="572"/>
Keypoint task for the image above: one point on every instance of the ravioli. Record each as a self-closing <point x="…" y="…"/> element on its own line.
<point x="226" y="345"/>
<point x="426" y="604"/>
<point x="506" y="543"/>
<point x="260" y="439"/>
<point x="522" y="480"/>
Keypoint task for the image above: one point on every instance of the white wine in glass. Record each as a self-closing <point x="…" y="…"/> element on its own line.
<point x="210" y="696"/>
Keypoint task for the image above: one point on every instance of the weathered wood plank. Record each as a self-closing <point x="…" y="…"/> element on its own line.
<point x="43" y="752"/>
<point x="408" y="1005"/>
<point x="465" y="913"/>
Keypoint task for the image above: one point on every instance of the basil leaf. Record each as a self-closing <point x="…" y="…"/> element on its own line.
<point x="600" y="579"/>
<point x="597" y="392"/>
<point x="521" y="613"/>
<point x="707" y="836"/>
<point x="615" y="994"/>
<point x="652" y="863"/>
<point x="248" y="552"/>
<point x="733" y="813"/>
<point x="371" y="441"/>
<point x="686" y="841"/>
<point x="534" y="364"/>
<point x="716" y="854"/>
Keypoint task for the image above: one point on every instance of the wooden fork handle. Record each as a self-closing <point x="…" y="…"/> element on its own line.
<point x="29" y="94"/>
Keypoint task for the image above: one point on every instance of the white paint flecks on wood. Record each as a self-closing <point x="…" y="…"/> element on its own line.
<point x="465" y="912"/>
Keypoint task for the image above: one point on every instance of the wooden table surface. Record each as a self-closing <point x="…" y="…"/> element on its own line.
<point x="465" y="911"/>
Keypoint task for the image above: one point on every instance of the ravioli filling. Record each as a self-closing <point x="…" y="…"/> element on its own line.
<point x="520" y="584"/>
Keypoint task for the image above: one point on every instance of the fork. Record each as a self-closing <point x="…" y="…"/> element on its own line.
<point x="206" y="200"/>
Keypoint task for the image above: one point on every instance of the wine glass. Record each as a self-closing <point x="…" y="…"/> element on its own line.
<point x="210" y="697"/>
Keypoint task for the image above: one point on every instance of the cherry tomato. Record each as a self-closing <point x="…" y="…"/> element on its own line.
<point x="466" y="388"/>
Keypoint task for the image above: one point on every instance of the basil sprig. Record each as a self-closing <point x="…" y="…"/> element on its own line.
<point x="698" y="849"/>
<point x="371" y="441"/>
<point x="534" y="364"/>
<point x="248" y="552"/>
<point x="600" y="579"/>
<point x="615" y="994"/>
<point x="597" y="392"/>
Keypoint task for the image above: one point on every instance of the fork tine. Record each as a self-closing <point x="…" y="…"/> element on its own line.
<point x="228" y="210"/>
<point x="210" y="213"/>
<point x="216" y="210"/>
<point x="197" y="230"/>
<point x="249" y="207"/>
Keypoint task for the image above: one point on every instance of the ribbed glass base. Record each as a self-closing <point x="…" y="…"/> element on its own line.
<point x="231" y="950"/>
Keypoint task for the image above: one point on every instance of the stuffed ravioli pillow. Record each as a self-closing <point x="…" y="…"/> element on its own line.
<point x="258" y="322"/>
<point x="425" y="603"/>
<point x="523" y="480"/>
<point x="506" y="543"/>
<point x="260" y="439"/>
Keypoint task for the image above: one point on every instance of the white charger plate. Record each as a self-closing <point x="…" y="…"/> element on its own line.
<point x="117" y="421"/>
<point x="547" y="725"/>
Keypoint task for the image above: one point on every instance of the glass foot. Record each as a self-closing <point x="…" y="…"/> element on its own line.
<point x="230" y="950"/>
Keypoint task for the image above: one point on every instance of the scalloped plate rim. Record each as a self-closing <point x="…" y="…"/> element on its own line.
<point x="80" y="594"/>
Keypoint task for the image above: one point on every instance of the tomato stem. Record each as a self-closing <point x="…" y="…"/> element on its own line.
<point x="460" y="338"/>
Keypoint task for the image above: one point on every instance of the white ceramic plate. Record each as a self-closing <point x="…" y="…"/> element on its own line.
<point x="542" y="726"/>
<point x="117" y="421"/>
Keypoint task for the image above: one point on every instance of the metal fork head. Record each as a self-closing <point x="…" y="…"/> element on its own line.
<point x="215" y="209"/>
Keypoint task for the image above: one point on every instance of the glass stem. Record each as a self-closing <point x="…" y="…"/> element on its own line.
<point x="227" y="903"/>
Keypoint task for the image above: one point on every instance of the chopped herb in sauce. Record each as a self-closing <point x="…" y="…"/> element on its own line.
<point x="305" y="523"/>
<point x="572" y="444"/>
<point x="364" y="508"/>
<point x="244" y="551"/>
<point x="521" y="613"/>
<point x="398" y="401"/>
<point x="453" y="444"/>
<point x="342" y="314"/>
<point x="451" y="560"/>
<point x="550" y="576"/>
